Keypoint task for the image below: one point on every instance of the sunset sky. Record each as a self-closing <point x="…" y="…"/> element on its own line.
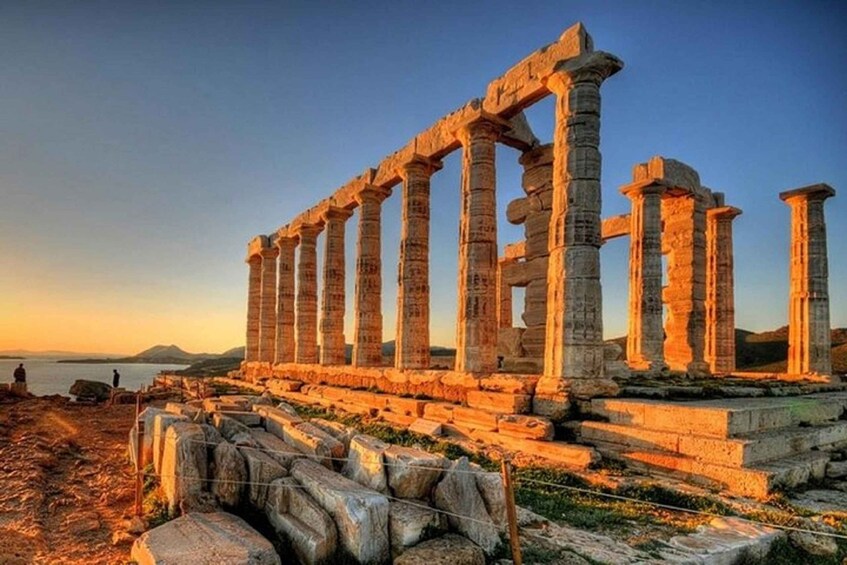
<point x="142" y="144"/>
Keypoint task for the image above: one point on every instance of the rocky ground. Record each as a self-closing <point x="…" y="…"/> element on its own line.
<point x="65" y="486"/>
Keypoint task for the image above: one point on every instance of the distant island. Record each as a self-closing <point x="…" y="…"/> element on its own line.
<point x="162" y="354"/>
<point x="11" y="357"/>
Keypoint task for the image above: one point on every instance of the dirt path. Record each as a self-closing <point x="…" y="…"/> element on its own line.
<point x="65" y="485"/>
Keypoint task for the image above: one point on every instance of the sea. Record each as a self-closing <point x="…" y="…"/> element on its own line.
<point x="45" y="376"/>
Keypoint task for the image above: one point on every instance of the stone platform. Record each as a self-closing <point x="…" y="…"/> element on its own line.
<point x="748" y="446"/>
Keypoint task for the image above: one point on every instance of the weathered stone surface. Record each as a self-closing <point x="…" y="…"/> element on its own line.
<point x="820" y="501"/>
<point x="426" y="427"/>
<point x="246" y="418"/>
<point x="306" y="343"/>
<point x="409" y="522"/>
<point x="333" y="288"/>
<point x="228" y="427"/>
<point x="204" y="539"/>
<point x="726" y="540"/>
<point x="529" y="427"/>
<point x="500" y="402"/>
<point x="267" y="305"/>
<point x="412" y="472"/>
<point x="311" y="440"/>
<point x="190" y="412"/>
<point x="275" y="448"/>
<point x="447" y="550"/>
<point x="229" y="474"/>
<point x="457" y="493"/>
<point x="836" y="470"/>
<point x="261" y="470"/>
<point x="148" y="416"/>
<point x="254" y="296"/>
<point x="720" y="290"/>
<point x="300" y="521"/>
<point x="509" y="342"/>
<point x="360" y="514"/>
<point x="184" y="467"/>
<point x="490" y="486"/>
<point x="366" y="462"/>
<point x="276" y="419"/>
<point x="814" y="544"/>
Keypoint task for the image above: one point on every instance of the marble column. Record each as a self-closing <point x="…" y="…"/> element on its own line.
<point x="254" y="306"/>
<point x="412" y="345"/>
<point x="504" y="296"/>
<point x="333" y="299"/>
<point x="306" y="342"/>
<point x="809" y="338"/>
<point x="720" y="290"/>
<point x="267" y="315"/>
<point x="645" y="338"/>
<point x="367" y="330"/>
<point x="573" y="350"/>
<point x="476" y="333"/>
<point x="684" y="243"/>
<point x="285" y="300"/>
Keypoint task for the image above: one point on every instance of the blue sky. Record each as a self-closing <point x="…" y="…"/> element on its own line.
<point x="143" y="144"/>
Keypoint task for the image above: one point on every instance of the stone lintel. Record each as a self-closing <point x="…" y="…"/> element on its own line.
<point x="728" y="212"/>
<point x="676" y="174"/>
<point x="255" y="246"/>
<point x="480" y="117"/>
<point x="514" y="251"/>
<point x="519" y="135"/>
<point x="596" y="66"/>
<point x="615" y="226"/>
<point x="372" y="192"/>
<point x="645" y="186"/>
<point x="820" y="191"/>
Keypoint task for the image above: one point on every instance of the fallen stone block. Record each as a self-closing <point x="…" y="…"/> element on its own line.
<point x="184" y="466"/>
<point x="457" y="494"/>
<point x="447" y="550"/>
<point x="337" y="430"/>
<point x="490" y="487"/>
<point x="409" y="523"/>
<point x="275" y="448"/>
<point x="148" y="416"/>
<point x="526" y="427"/>
<point x="189" y="412"/>
<point x="405" y="406"/>
<point x="397" y="419"/>
<point x="261" y="470"/>
<point x="412" y="472"/>
<point x="727" y="540"/>
<point x="360" y="514"/>
<point x="229" y="474"/>
<point x="276" y="420"/>
<point x="439" y="412"/>
<point x="499" y="402"/>
<point x="426" y="427"/>
<point x="836" y="470"/>
<point x="277" y="386"/>
<point x="475" y="419"/>
<point x="204" y="539"/>
<point x="246" y="418"/>
<point x="90" y="390"/>
<point x="228" y="427"/>
<point x="161" y="422"/>
<point x="366" y="463"/>
<point x="311" y="440"/>
<point x="299" y="520"/>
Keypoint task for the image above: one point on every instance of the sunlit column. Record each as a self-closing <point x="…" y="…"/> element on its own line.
<point x="267" y="315"/>
<point x="333" y="302"/>
<point x="306" y="347"/>
<point x="254" y="294"/>
<point x="285" y="300"/>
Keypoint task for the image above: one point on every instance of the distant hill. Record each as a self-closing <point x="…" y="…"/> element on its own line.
<point x="768" y="351"/>
<point x="166" y="355"/>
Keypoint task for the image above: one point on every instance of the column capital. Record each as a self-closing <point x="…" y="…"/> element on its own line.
<point x="284" y="240"/>
<point x="305" y="230"/>
<point x="646" y="186"/>
<point x="269" y="252"/>
<point x="255" y="246"/>
<point x="335" y="213"/>
<point x="483" y="124"/>
<point x="372" y="193"/>
<point x="723" y="212"/>
<point x="820" y="191"/>
<point x="591" y="67"/>
<point x="417" y="163"/>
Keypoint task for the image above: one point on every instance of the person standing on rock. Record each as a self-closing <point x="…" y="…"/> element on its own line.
<point x="116" y="378"/>
<point x="20" y="374"/>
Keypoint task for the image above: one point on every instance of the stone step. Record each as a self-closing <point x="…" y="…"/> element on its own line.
<point x="741" y="451"/>
<point x="722" y="418"/>
<point x="757" y="481"/>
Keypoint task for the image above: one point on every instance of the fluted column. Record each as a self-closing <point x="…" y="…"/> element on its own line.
<point x="809" y="338"/>
<point x="645" y="338"/>
<point x="476" y="335"/>
<point x="720" y="290"/>
<point x="285" y="300"/>
<point x="254" y="306"/>
<point x="332" y="309"/>
<point x="306" y="342"/>
<point x="367" y="331"/>
<point x="504" y="295"/>
<point x="412" y="345"/>
<point x="573" y="348"/>
<point x="267" y="315"/>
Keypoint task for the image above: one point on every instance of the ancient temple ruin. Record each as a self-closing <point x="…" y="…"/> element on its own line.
<point x="510" y="384"/>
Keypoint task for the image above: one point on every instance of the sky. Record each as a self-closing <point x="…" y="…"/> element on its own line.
<point x="142" y="144"/>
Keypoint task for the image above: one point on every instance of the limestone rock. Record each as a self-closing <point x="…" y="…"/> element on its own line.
<point x="426" y="427"/>
<point x="204" y="539"/>
<point x="274" y="447"/>
<point x="161" y="423"/>
<point x="184" y="467"/>
<point x="299" y="520"/>
<point x="311" y="440"/>
<point x="90" y="390"/>
<point x="490" y="486"/>
<point x="228" y="427"/>
<point x="457" y="493"/>
<point x="366" y="463"/>
<point x="836" y="470"/>
<point x="820" y="545"/>
<point x="261" y="470"/>
<point x="360" y="514"/>
<point x="229" y="474"/>
<point x="409" y="522"/>
<point x="339" y="431"/>
<point x="821" y="501"/>
<point x="412" y="472"/>
<point x="448" y="550"/>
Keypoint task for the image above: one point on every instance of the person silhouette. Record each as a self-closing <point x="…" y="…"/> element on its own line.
<point x="116" y="378"/>
<point x="20" y="374"/>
